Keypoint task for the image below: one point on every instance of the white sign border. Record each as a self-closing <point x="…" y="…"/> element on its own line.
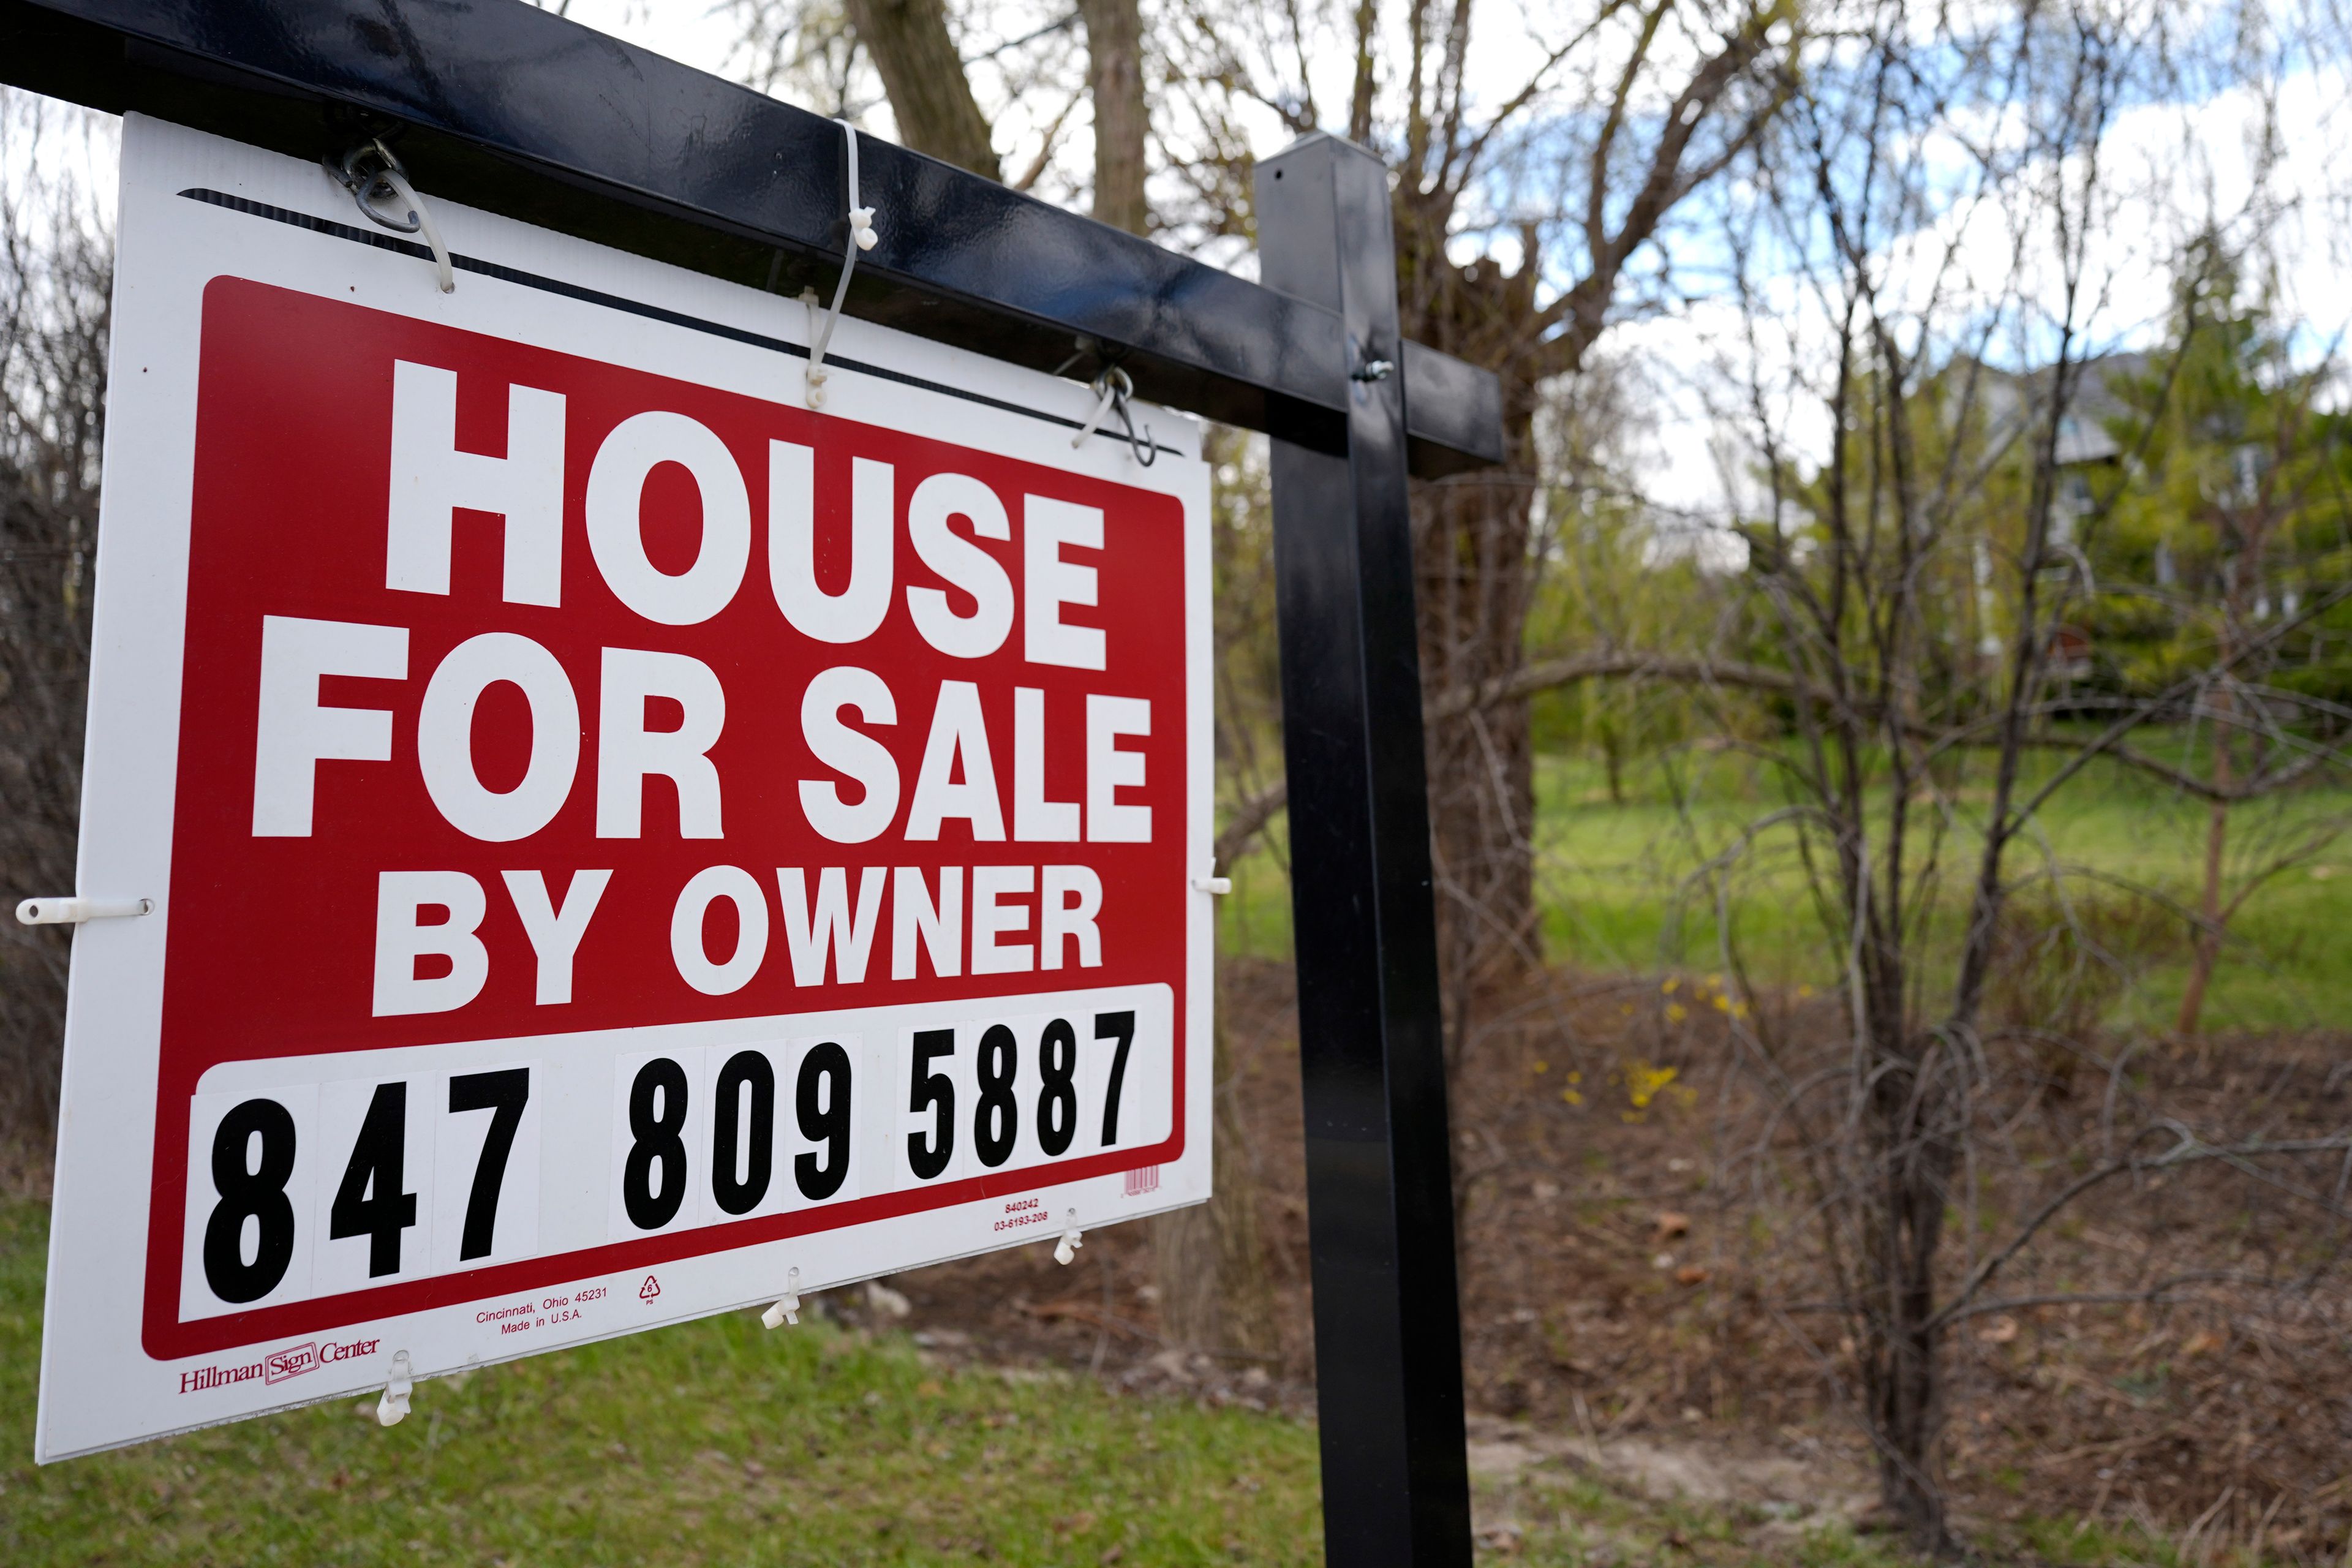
<point x="99" y="1389"/>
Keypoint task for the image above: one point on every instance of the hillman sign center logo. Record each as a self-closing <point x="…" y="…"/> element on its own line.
<point x="278" y="1365"/>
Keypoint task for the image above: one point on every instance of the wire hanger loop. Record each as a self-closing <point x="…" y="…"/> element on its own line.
<point x="1112" y="390"/>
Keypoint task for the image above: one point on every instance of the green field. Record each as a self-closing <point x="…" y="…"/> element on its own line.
<point x="1621" y="886"/>
<point x="716" y="1443"/>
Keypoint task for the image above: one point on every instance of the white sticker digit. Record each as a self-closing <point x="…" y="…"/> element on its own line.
<point x="933" y="1092"/>
<point x="486" y="1167"/>
<point x="660" y="1136"/>
<point x="247" y="1240"/>
<point x="825" y="1159"/>
<point x="375" y="1148"/>
<point x="743" y="1106"/>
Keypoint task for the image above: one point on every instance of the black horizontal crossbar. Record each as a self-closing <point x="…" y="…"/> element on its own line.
<point x="507" y="107"/>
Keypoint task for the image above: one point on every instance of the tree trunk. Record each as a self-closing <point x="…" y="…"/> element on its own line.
<point x="1475" y="577"/>
<point x="930" y="94"/>
<point x="2208" y="950"/>
<point x="1475" y="573"/>
<point x="1907" y="1417"/>
<point x="1214" y="1294"/>
<point x="1914" y="1154"/>
<point x="1115" y="62"/>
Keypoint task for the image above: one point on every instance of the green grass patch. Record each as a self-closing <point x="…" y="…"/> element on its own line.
<point x="2083" y="1544"/>
<point x="714" y="1443"/>
<point x="1253" y="919"/>
<point x="1660" y="877"/>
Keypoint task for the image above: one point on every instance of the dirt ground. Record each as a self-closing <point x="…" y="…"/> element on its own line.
<point x="1641" y="1293"/>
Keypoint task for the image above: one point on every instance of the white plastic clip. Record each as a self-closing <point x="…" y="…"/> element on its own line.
<point x="73" y="911"/>
<point x="787" y="1310"/>
<point x="1107" y="385"/>
<point x="1072" y="1239"/>
<point x="861" y="237"/>
<point x="394" y="1403"/>
<point x="1212" y="884"/>
<point x="369" y="186"/>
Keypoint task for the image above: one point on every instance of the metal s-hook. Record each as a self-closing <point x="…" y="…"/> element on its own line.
<point x="1112" y="388"/>
<point x="1145" y="452"/>
<point x="369" y="186"/>
<point x="387" y="179"/>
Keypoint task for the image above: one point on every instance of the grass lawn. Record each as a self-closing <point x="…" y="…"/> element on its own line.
<point x="1618" y="884"/>
<point x="717" y="1443"/>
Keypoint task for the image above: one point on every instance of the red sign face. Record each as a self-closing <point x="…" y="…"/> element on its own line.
<point x="528" y="695"/>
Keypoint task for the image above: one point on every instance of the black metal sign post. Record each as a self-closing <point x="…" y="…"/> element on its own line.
<point x="500" y="105"/>
<point x="1379" y="1213"/>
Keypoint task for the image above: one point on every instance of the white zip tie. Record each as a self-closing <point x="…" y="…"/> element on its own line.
<point x="73" y="911"/>
<point x="394" y="1405"/>
<point x="1072" y="1239"/>
<point x="1109" y="396"/>
<point x="1213" y="883"/>
<point x="399" y="182"/>
<point x="787" y="1310"/>
<point x="861" y="237"/>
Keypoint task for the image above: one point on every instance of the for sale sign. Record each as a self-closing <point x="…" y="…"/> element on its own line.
<point x="621" y="842"/>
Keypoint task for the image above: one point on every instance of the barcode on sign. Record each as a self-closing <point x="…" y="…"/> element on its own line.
<point x="1141" y="1180"/>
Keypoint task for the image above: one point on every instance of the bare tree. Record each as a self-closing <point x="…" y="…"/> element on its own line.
<point x="910" y="47"/>
<point x="1916" y="577"/>
<point x="1115" y="87"/>
<point x="56" y="283"/>
<point x="1527" y="220"/>
<point x="916" y="51"/>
